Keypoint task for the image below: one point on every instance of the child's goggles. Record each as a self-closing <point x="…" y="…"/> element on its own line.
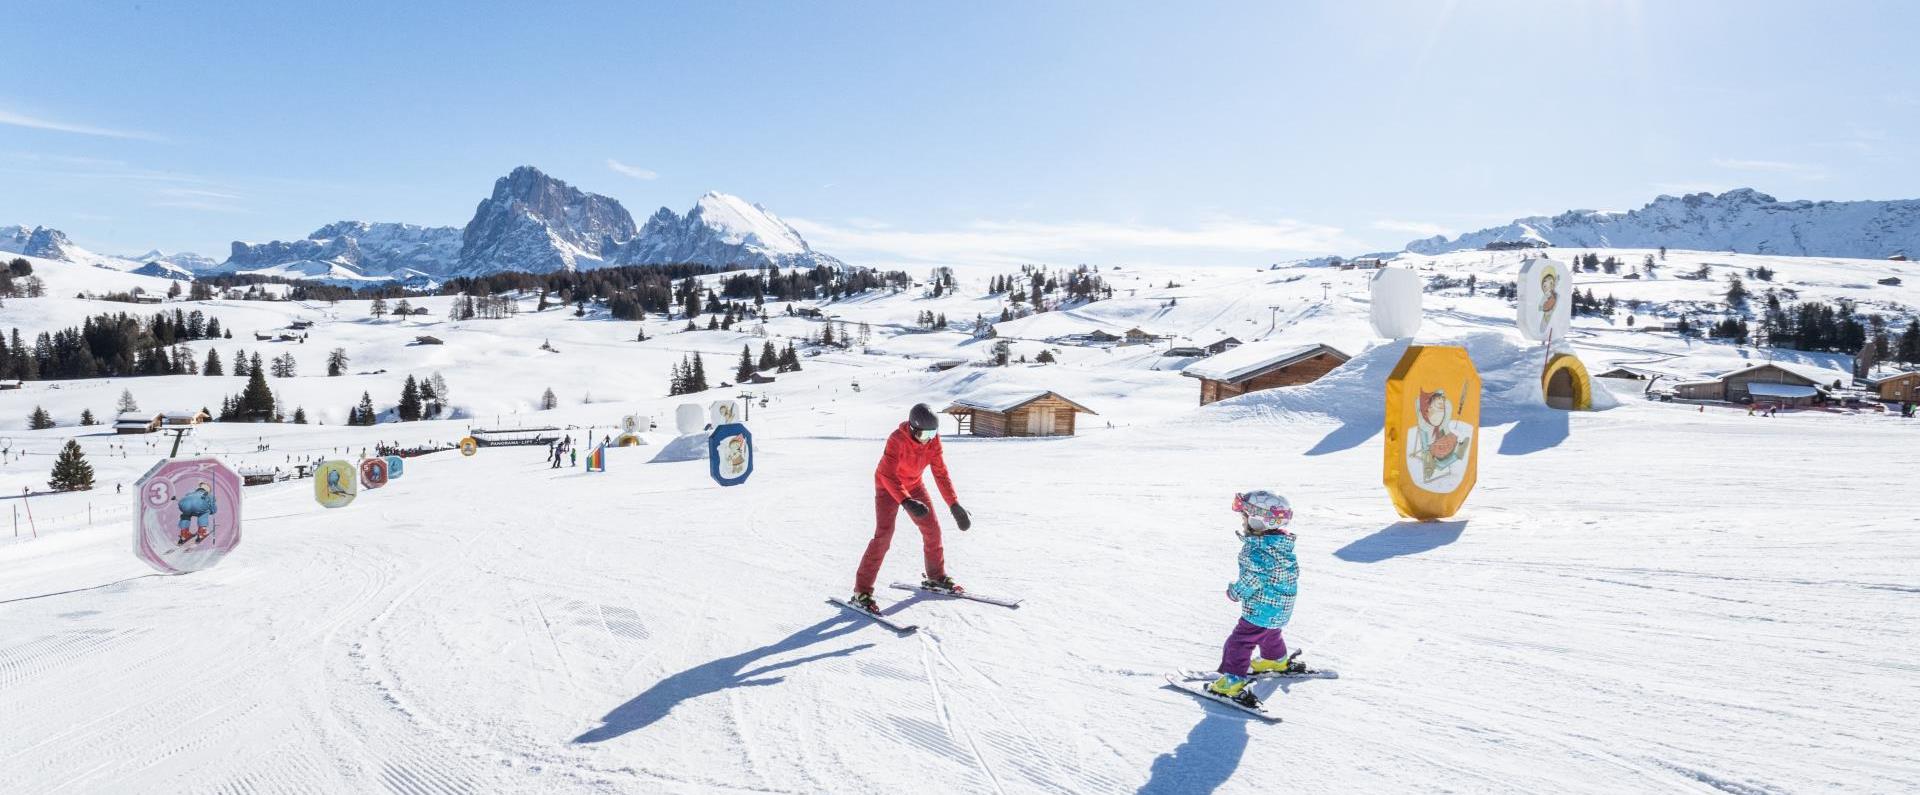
<point x="925" y="436"/>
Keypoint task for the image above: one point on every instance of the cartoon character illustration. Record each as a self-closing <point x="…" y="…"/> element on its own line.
<point x="1549" y="297"/>
<point x="333" y="483"/>
<point x="735" y="457"/>
<point x="197" y="508"/>
<point x="1440" y="441"/>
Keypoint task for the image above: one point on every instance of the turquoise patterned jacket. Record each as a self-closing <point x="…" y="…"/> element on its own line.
<point x="1269" y="580"/>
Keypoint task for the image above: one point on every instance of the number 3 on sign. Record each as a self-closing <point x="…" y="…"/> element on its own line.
<point x="157" y="493"/>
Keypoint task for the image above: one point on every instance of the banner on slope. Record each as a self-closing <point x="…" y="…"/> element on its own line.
<point x="723" y="412"/>
<point x="1396" y="295"/>
<point x="597" y="459"/>
<point x="1432" y="431"/>
<point x="469" y="446"/>
<point x="396" y="466"/>
<point x="334" y="484"/>
<point x="186" y="514"/>
<point x="1544" y="310"/>
<point x="730" y="454"/>
<point x="373" y="472"/>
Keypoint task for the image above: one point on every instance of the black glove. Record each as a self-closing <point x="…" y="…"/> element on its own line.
<point x="960" y="517"/>
<point x="915" y="508"/>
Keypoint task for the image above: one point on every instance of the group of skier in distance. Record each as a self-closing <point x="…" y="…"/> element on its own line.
<point x="1265" y="589"/>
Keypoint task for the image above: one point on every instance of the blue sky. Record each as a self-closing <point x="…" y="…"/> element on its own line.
<point x="922" y="133"/>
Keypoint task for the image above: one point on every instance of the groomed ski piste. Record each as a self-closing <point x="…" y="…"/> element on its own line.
<point x="1650" y="597"/>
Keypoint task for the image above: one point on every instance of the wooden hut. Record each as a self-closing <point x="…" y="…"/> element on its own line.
<point x="1773" y="382"/>
<point x="183" y="418"/>
<point x="1015" y="412"/>
<point x="1223" y="345"/>
<point x="136" y="422"/>
<point x="1903" y="387"/>
<point x="1261" y="365"/>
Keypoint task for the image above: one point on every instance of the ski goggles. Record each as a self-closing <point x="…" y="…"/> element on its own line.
<point x="1273" y="517"/>
<point x="925" y="436"/>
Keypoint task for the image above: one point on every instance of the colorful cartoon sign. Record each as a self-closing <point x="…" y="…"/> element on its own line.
<point x="373" y="472"/>
<point x="396" y="466"/>
<point x="1432" y="431"/>
<point x="334" y="485"/>
<point x="1545" y="306"/>
<point x="1565" y="385"/>
<point x="469" y="446"/>
<point x="597" y="459"/>
<point x="630" y="424"/>
<point x="690" y="418"/>
<point x="724" y="412"/>
<point x="1396" y="297"/>
<point x="730" y="454"/>
<point x="186" y="514"/>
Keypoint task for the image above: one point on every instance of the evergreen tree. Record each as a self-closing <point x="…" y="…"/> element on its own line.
<point x="253" y="365"/>
<point x="86" y="417"/>
<point x="337" y="362"/>
<point x="212" y="367"/>
<point x="240" y="362"/>
<point x="548" y="401"/>
<point x="789" y="360"/>
<point x="39" y="420"/>
<point x="379" y="308"/>
<point x="402" y="309"/>
<point x="746" y="369"/>
<point x="299" y="415"/>
<point x="365" y="411"/>
<point x="127" y="403"/>
<point x="1910" y="343"/>
<point x="769" y="358"/>
<point x="71" y="472"/>
<point x="256" y="400"/>
<point x="1736" y="292"/>
<point x="697" y="377"/>
<point x="429" y="400"/>
<point x="410" y="400"/>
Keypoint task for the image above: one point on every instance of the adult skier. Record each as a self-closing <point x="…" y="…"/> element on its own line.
<point x="911" y="449"/>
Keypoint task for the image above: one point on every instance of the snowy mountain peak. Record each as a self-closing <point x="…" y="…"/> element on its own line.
<point x="721" y="229"/>
<point x="1743" y="220"/>
<point x="739" y="222"/>
<point x="536" y="223"/>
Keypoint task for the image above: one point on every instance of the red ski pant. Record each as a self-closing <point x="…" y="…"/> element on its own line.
<point x="885" y="513"/>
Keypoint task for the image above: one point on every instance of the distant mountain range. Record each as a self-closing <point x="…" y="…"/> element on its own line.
<point x="531" y="223"/>
<point x="1743" y="220"/>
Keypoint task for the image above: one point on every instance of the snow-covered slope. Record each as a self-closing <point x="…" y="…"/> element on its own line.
<point x="1742" y="220"/>
<point x="351" y="250"/>
<point x="722" y="229"/>
<point x="52" y="244"/>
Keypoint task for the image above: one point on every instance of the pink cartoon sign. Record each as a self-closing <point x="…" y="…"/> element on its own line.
<point x="186" y="514"/>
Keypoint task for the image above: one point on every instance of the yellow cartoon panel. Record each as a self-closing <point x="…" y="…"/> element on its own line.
<point x="1565" y="383"/>
<point x="1432" y="431"/>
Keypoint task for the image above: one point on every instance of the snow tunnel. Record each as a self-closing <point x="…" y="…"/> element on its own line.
<point x="1565" y="383"/>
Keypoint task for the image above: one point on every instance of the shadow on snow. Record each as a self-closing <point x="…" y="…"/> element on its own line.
<point x="1401" y="538"/>
<point x="1208" y="757"/>
<point x="740" y="670"/>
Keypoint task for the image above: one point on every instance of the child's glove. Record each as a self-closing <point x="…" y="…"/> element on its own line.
<point x="961" y="517"/>
<point x="1231" y="596"/>
<point x="915" y="508"/>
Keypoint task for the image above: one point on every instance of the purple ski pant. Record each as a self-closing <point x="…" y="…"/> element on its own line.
<point x="1246" y="637"/>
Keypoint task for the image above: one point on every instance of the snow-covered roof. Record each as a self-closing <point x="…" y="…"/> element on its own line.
<point x="1883" y="377"/>
<point x="137" y="416"/>
<point x="1005" y="398"/>
<point x="1818" y="375"/>
<point x="1760" y="389"/>
<point x="1255" y="357"/>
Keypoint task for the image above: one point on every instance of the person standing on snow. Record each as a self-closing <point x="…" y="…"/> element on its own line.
<point x="911" y="449"/>
<point x="1269" y="581"/>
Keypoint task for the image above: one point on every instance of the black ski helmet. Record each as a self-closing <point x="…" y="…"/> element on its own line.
<point x="922" y="419"/>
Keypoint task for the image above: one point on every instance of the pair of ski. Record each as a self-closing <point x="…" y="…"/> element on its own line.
<point x="192" y="543"/>
<point x="903" y="629"/>
<point x="1195" y="683"/>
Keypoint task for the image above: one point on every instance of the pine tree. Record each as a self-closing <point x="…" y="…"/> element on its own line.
<point x="548" y="401"/>
<point x="769" y="358"/>
<point x="71" y="472"/>
<point x="789" y="360"/>
<point x="365" y="411"/>
<point x="337" y="362"/>
<point x="127" y="403"/>
<point x="1910" y="343"/>
<point x="745" y="371"/>
<point x="410" y="400"/>
<point x="429" y="401"/>
<point x="212" y="367"/>
<point x="240" y="362"/>
<point x="256" y="400"/>
<point x="253" y="365"/>
<point x="299" y="415"/>
<point x="697" y="378"/>
<point x="86" y="417"/>
<point x="379" y="308"/>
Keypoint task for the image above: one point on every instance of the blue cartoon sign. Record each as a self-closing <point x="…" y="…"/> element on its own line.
<point x="730" y="454"/>
<point x="395" y="467"/>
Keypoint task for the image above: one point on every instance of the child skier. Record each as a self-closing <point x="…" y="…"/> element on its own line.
<point x="1269" y="580"/>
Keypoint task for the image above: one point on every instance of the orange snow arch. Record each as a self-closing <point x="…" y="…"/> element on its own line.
<point x="1565" y="383"/>
<point x="1432" y="431"/>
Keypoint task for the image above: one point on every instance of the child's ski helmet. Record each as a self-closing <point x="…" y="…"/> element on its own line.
<point x="1264" y="510"/>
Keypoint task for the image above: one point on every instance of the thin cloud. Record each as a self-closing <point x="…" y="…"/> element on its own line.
<point x="1799" y="170"/>
<point x="1016" y="242"/>
<point x="1421" y="228"/>
<point x="35" y="123"/>
<point x="632" y="171"/>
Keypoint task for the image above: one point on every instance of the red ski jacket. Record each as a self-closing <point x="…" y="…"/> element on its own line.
<point x="904" y="460"/>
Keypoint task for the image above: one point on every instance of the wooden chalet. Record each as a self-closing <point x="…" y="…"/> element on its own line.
<point x="10" y="383"/>
<point x="1100" y="335"/>
<point x="175" y="419"/>
<point x="1901" y="387"/>
<point x="137" y="422"/>
<point x="1187" y="351"/>
<point x="1015" y="412"/>
<point x="1223" y="345"/>
<point x="1138" y="336"/>
<point x="1772" y="382"/>
<point x="1252" y="368"/>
